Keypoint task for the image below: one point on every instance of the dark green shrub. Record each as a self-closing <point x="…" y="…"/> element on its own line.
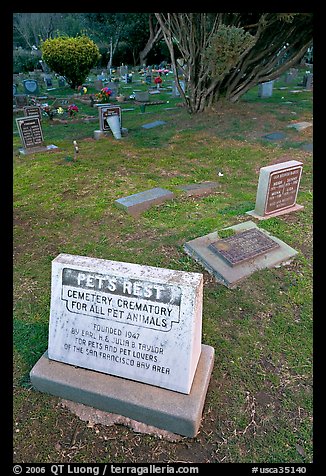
<point x="24" y="61"/>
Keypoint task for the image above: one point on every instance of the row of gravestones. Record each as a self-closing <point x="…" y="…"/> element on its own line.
<point x="127" y="338"/>
<point x="31" y="86"/>
<point x="265" y="89"/>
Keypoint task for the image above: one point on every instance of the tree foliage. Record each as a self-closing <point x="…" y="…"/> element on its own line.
<point x="72" y="58"/>
<point x="226" y="54"/>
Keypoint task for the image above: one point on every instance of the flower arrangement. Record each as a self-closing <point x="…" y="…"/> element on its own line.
<point x="158" y="81"/>
<point x="72" y="110"/>
<point x="104" y="94"/>
<point x="82" y="89"/>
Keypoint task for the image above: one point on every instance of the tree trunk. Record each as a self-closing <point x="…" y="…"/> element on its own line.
<point x="155" y="35"/>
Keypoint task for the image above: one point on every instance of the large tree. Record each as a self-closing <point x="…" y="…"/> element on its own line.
<point x="226" y="54"/>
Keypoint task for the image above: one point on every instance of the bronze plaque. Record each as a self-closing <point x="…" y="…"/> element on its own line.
<point x="243" y="246"/>
<point x="282" y="189"/>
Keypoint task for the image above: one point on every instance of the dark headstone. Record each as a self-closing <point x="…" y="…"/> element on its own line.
<point x="21" y="100"/>
<point x="105" y="112"/>
<point x="33" y="111"/>
<point x="30" y="131"/>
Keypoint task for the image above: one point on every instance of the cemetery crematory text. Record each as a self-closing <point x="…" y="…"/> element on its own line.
<point x="116" y="300"/>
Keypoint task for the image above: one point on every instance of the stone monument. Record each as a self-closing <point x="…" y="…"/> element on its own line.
<point x="126" y="338"/>
<point x="277" y="190"/>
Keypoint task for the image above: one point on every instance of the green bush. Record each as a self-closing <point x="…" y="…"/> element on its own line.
<point x="72" y="58"/>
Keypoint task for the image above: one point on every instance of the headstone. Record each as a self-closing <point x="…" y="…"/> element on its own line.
<point x="275" y="136"/>
<point x="31" y="135"/>
<point x="126" y="338"/>
<point x="142" y="96"/>
<point x="308" y="81"/>
<point x="198" y="189"/>
<point x="105" y="112"/>
<point x="139" y="202"/>
<point x="61" y="82"/>
<point x="291" y="75"/>
<point x="14" y="89"/>
<point x="114" y="88"/>
<point x="175" y="91"/>
<point x="30" y="131"/>
<point x="30" y="86"/>
<point x="232" y="259"/>
<point x="21" y="100"/>
<point x="277" y="191"/>
<point x="110" y="121"/>
<point x="98" y="84"/>
<point x="265" y="90"/>
<point x="33" y="111"/>
<point x="48" y="81"/>
<point x="148" y="78"/>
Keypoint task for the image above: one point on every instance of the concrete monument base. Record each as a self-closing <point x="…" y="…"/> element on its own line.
<point x="172" y="411"/>
<point x="200" y="250"/>
<point x="276" y="213"/>
<point x="34" y="150"/>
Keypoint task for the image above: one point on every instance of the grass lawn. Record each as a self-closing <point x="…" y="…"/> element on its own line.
<point x="258" y="407"/>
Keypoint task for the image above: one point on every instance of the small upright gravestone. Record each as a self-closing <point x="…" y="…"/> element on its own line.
<point x="110" y="121"/>
<point x="265" y="90"/>
<point x="31" y="135"/>
<point x="277" y="190"/>
<point x="21" y="100"/>
<point x="137" y="330"/>
<point x="33" y="111"/>
<point x="14" y="89"/>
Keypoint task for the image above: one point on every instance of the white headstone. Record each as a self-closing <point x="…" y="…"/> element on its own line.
<point x="137" y="322"/>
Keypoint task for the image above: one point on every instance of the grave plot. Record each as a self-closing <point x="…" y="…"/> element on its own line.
<point x="236" y="257"/>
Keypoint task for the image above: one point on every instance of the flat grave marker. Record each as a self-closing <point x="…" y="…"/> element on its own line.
<point x="150" y="125"/>
<point x="299" y="126"/>
<point x="120" y="333"/>
<point x="199" y="189"/>
<point x="139" y="202"/>
<point x="232" y="259"/>
<point x="275" y="136"/>
<point x="277" y="190"/>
